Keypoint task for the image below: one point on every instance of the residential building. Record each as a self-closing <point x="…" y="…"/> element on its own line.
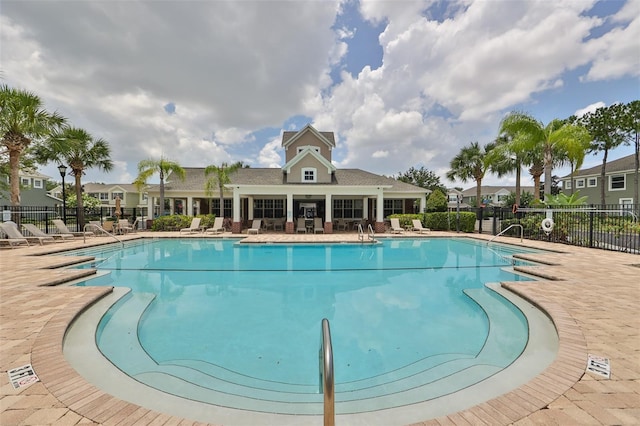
<point x="130" y="196"/>
<point x="33" y="191"/>
<point x="618" y="184"/>
<point x="308" y="185"/>
<point x="492" y="195"/>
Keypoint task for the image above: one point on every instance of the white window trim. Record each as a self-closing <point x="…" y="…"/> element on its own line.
<point x="309" y="169"/>
<point x="567" y="184"/>
<point x="579" y="183"/>
<point x="25" y="182"/>
<point x="595" y="182"/>
<point x="37" y="183"/>
<point x="315" y="148"/>
<point x="624" y="177"/>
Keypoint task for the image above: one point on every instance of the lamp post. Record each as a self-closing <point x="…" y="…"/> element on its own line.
<point x="63" y="172"/>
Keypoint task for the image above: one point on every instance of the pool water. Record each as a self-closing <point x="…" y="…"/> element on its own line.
<point x="238" y="325"/>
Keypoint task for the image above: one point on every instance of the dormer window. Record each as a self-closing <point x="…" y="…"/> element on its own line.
<point x="309" y="175"/>
<point x="315" y="148"/>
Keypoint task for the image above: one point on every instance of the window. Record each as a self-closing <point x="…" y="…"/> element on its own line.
<point x="592" y="182"/>
<point x="617" y="183"/>
<point x="315" y="148"/>
<point x="117" y="194"/>
<point x="579" y="183"/>
<point x="145" y="196"/>
<point x="37" y="183"/>
<point x="567" y="184"/>
<point x="103" y="196"/>
<point x="25" y="181"/>
<point x="393" y="207"/>
<point x="308" y="174"/>
<point x="228" y="207"/>
<point x="268" y="208"/>
<point x="347" y="209"/>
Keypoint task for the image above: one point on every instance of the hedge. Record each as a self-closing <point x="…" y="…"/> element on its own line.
<point x="179" y="221"/>
<point x="440" y="221"/>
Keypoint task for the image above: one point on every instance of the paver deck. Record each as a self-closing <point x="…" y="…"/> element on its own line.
<point x="591" y="295"/>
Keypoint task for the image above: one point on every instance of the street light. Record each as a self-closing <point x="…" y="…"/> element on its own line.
<point x="63" y="172"/>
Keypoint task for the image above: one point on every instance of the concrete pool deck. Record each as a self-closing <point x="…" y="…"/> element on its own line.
<point x="591" y="295"/>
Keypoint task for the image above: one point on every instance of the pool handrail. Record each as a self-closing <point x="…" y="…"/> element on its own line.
<point x="370" y="234"/>
<point x="93" y="227"/>
<point x="326" y="374"/>
<point x="517" y="225"/>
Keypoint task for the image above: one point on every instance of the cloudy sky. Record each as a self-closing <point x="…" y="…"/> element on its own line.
<point x="401" y="83"/>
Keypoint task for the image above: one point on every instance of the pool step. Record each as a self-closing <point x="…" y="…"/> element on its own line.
<point x="427" y="379"/>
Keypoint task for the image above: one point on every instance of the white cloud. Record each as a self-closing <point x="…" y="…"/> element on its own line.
<point x="589" y="108"/>
<point x="269" y="155"/>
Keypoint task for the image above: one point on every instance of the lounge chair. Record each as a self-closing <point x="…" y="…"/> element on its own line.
<point x="62" y="229"/>
<point x="217" y="227"/>
<point x="255" y="227"/>
<point x="302" y="225"/>
<point x="194" y="227"/>
<point x="317" y="225"/>
<point x="37" y="232"/>
<point x="395" y="227"/>
<point x="124" y="227"/>
<point x="12" y="241"/>
<point x="12" y="231"/>
<point x="417" y="227"/>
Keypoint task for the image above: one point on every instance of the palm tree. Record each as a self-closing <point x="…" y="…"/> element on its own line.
<point x="81" y="151"/>
<point x="22" y="121"/>
<point x="504" y="159"/>
<point x="470" y="164"/>
<point x="221" y="177"/>
<point x="554" y="140"/>
<point x="164" y="167"/>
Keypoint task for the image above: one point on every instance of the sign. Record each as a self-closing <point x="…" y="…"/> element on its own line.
<point x="599" y="366"/>
<point x="22" y="376"/>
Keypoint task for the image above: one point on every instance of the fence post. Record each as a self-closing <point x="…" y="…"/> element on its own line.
<point x="591" y="214"/>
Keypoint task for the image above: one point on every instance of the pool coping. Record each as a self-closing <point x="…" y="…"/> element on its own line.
<point x="70" y="389"/>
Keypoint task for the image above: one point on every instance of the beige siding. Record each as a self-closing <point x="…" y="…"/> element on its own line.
<point x="322" y="176"/>
<point x="306" y="139"/>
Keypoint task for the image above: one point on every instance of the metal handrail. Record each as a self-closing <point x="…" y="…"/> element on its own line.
<point x="91" y="226"/>
<point x="507" y="228"/>
<point x="360" y="232"/>
<point x="372" y="234"/>
<point x="326" y="374"/>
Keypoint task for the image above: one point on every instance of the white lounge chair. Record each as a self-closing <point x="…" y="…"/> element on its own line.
<point x="417" y="227"/>
<point x="255" y="227"/>
<point x="302" y="225"/>
<point x="12" y="241"/>
<point x="12" y="231"/>
<point x="62" y="229"/>
<point x="395" y="226"/>
<point x="217" y="227"/>
<point x="37" y="232"/>
<point x="194" y="227"/>
<point x="317" y="225"/>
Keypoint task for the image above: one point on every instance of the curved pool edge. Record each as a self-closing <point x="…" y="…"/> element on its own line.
<point x="563" y="372"/>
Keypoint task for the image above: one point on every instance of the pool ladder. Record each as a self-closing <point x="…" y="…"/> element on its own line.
<point x="325" y="357"/>
<point x="371" y="236"/>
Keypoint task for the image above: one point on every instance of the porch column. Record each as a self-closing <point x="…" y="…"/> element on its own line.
<point x="289" y="225"/>
<point x="236" y="226"/>
<point x="189" y="206"/>
<point x="328" y="209"/>
<point x="423" y="203"/>
<point x="379" y="213"/>
<point x="250" y="207"/>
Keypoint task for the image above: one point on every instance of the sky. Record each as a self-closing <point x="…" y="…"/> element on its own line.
<point x="401" y="83"/>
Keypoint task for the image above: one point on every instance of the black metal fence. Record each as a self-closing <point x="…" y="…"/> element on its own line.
<point x="610" y="227"/>
<point x="42" y="216"/>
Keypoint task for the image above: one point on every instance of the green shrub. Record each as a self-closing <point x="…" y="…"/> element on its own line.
<point x="180" y="221"/>
<point x="445" y="221"/>
<point x="437" y="202"/>
<point x="405" y="219"/>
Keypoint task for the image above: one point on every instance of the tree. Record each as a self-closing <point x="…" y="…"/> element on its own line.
<point x="470" y="164"/>
<point x="221" y="177"/>
<point x="164" y="168"/>
<point x="631" y="128"/>
<point x="506" y="158"/>
<point x="554" y="140"/>
<point x="423" y="178"/>
<point x="606" y="128"/>
<point x="562" y="199"/>
<point x="437" y="201"/>
<point x="81" y="151"/>
<point x="22" y="121"/>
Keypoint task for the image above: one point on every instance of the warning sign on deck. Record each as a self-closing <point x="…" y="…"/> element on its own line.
<point x="599" y="365"/>
<point x="22" y="376"/>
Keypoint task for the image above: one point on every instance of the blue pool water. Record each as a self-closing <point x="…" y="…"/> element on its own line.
<point x="239" y="324"/>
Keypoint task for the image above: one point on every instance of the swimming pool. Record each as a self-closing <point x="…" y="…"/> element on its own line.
<point x="237" y="325"/>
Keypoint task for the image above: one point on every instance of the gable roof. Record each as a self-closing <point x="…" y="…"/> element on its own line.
<point x="488" y="189"/>
<point x="290" y="137"/>
<point x="306" y="151"/>
<point x="624" y="164"/>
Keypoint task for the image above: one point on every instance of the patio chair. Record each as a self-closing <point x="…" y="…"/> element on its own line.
<point x="217" y="227"/>
<point x="12" y="241"/>
<point x="417" y="227"/>
<point x="12" y="231"/>
<point x="317" y="225"/>
<point x="255" y="227"/>
<point x="62" y="229"/>
<point x="395" y="226"/>
<point x="37" y="232"/>
<point x="194" y="227"/>
<point x="302" y="225"/>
